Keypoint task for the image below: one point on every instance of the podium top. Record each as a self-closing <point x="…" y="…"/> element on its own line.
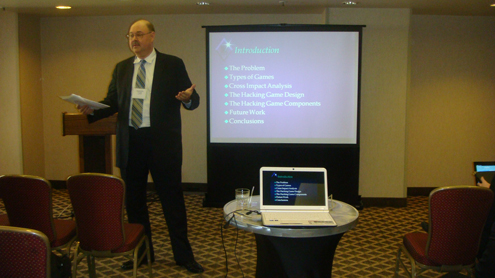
<point x="77" y="124"/>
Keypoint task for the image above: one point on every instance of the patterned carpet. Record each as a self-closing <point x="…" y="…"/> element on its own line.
<point x="369" y="250"/>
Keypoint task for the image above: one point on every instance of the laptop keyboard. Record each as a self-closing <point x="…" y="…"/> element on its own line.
<point x="299" y="215"/>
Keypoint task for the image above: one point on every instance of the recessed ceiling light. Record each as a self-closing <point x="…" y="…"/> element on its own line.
<point x="203" y="3"/>
<point x="63" y="7"/>
<point x="349" y="3"/>
<point x="492" y="5"/>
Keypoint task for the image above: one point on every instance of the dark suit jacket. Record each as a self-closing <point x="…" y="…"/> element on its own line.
<point x="170" y="77"/>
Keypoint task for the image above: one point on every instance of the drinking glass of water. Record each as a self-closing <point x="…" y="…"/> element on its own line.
<point x="242" y="198"/>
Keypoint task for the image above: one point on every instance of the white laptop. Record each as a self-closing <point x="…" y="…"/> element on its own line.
<point x="294" y="197"/>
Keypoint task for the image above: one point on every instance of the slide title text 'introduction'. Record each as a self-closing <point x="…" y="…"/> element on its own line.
<point x="256" y="50"/>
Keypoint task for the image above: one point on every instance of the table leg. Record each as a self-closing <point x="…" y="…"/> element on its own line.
<point x="282" y="257"/>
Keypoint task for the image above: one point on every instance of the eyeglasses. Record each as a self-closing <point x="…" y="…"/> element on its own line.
<point x="137" y="35"/>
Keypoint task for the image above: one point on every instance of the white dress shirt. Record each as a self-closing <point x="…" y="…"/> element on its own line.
<point x="150" y="70"/>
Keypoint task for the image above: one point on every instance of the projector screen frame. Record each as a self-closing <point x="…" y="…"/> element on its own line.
<point x="243" y="160"/>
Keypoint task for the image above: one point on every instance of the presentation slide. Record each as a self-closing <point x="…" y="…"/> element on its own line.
<point x="283" y="87"/>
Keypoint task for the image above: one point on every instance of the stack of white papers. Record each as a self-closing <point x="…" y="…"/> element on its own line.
<point x="83" y="101"/>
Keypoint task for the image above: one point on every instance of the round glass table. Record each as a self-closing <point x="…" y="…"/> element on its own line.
<point x="293" y="251"/>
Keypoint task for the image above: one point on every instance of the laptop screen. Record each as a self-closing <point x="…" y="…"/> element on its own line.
<point x="485" y="169"/>
<point x="486" y="166"/>
<point x="289" y="187"/>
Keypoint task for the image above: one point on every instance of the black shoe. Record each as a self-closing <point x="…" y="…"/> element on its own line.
<point x="192" y="266"/>
<point x="129" y="265"/>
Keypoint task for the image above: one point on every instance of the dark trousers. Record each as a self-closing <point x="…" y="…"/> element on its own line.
<point x="486" y="264"/>
<point x="167" y="180"/>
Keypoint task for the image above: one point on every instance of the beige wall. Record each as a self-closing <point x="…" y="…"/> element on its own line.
<point x="384" y="74"/>
<point x="33" y="143"/>
<point x="10" y="119"/>
<point x="450" y="121"/>
<point x="427" y="89"/>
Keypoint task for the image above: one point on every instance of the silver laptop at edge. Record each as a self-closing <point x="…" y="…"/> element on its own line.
<point x="294" y="196"/>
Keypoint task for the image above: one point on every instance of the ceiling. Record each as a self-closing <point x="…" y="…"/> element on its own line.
<point x="45" y="8"/>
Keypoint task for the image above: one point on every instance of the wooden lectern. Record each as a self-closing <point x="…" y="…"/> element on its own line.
<point x="95" y="141"/>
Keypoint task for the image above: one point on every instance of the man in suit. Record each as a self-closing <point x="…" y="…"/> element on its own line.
<point x="148" y="90"/>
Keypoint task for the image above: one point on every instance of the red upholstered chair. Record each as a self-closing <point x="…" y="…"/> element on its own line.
<point x="28" y="202"/>
<point x="98" y="203"/>
<point x="457" y="215"/>
<point x="24" y="253"/>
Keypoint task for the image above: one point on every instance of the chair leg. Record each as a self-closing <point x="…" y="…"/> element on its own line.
<point x="75" y="262"/>
<point x="413" y="268"/>
<point x="397" y="261"/>
<point x="69" y="247"/>
<point x="93" y="262"/>
<point x="91" y="266"/>
<point x="148" y="254"/>
<point x="402" y="249"/>
<point x="136" y="259"/>
<point x="88" y="261"/>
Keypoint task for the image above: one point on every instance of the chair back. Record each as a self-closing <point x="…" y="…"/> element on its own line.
<point x="24" y="253"/>
<point x="28" y="202"/>
<point x="457" y="215"/>
<point x="98" y="203"/>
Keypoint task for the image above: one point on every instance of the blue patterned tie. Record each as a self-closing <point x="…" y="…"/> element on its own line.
<point x="137" y="104"/>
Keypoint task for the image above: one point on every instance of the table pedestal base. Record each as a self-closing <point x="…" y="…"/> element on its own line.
<point x="282" y="257"/>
